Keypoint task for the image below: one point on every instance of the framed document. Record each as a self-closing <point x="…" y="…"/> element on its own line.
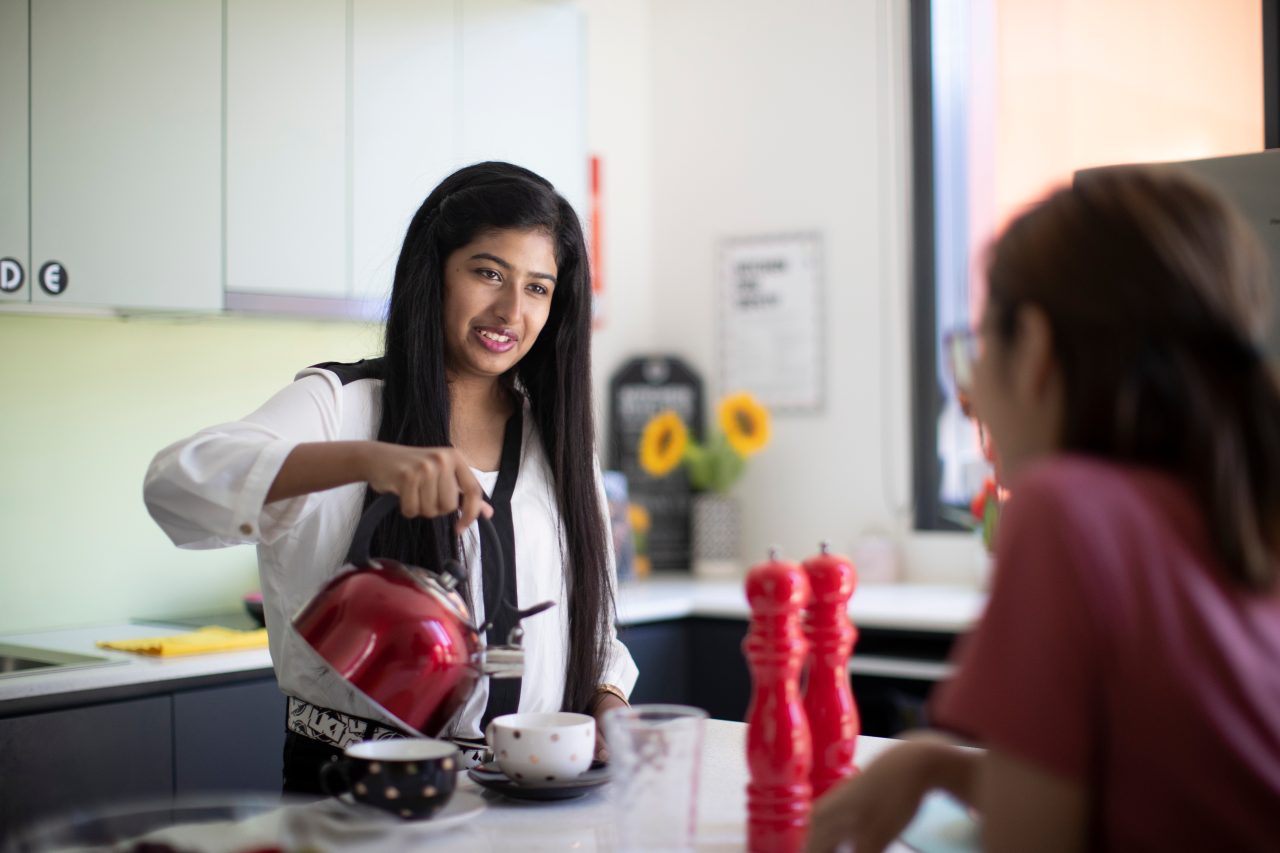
<point x="771" y="320"/>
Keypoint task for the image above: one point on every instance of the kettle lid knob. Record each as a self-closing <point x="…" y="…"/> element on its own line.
<point x="452" y="575"/>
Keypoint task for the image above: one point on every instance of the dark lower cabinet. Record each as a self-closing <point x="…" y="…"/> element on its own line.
<point x="661" y="653"/>
<point x="699" y="662"/>
<point x="59" y="763"/>
<point x="721" y="678"/>
<point x="228" y="738"/>
<point x="68" y="761"/>
<point x="691" y="662"/>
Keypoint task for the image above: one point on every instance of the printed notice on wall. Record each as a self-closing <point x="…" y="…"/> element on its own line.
<point x="771" y="341"/>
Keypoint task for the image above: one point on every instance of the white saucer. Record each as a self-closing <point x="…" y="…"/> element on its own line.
<point x="332" y="820"/>
<point x="462" y="806"/>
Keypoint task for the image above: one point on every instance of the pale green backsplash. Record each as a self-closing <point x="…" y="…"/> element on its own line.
<point x="86" y="403"/>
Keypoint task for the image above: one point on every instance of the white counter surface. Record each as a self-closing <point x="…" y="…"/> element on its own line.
<point x="905" y="607"/>
<point x="586" y="824"/>
<point x="124" y="670"/>
<point x="664" y="597"/>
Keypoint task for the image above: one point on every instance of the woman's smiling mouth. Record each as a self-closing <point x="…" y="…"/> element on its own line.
<point x="496" y="338"/>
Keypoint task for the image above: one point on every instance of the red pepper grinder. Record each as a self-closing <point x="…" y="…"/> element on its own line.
<point x="779" y="752"/>
<point x="828" y="699"/>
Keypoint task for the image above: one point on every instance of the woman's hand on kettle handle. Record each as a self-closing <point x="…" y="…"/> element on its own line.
<point x="430" y="481"/>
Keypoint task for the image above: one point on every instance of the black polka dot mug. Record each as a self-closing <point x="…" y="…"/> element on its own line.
<point x="411" y="777"/>
<point x="536" y="749"/>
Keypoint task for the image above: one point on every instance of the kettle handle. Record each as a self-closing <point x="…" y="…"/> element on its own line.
<point x="358" y="555"/>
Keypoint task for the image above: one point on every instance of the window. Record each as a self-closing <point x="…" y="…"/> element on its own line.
<point x="1010" y="98"/>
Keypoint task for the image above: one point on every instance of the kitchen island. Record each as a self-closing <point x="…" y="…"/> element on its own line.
<point x="215" y="723"/>
<point x="585" y="824"/>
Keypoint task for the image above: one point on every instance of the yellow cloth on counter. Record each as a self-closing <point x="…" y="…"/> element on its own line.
<point x="198" y="642"/>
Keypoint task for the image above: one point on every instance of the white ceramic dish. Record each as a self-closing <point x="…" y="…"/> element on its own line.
<point x="330" y="823"/>
<point x="490" y="776"/>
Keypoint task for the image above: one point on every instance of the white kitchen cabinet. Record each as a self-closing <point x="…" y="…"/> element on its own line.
<point x="404" y="123"/>
<point x="263" y="154"/>
<point x="287" y="140"/>
<point x="15" y="236"/>
<point x="523" y="89"/>
<point x="125" y="157"/>
<point x="339" y="122"/>
<point x="338" y="128"/>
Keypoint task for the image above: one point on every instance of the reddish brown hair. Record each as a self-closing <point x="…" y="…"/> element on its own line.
<point x="1156" y="293"/>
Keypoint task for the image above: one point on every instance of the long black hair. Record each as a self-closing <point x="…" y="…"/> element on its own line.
<point x="555" y="377"/>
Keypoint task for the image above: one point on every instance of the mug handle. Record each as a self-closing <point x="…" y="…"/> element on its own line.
<point x="338" y="766"/>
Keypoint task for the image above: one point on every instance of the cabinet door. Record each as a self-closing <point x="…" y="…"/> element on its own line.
<point x="404" y="124"/>
<point x="84" y="758"/>
<point x="721" y="679"/>
<point x="523" y="89"/>
<point x="15" y="240"/>
<point x="286" y="147"/>
<point x="126" y="175"/>
<point x="229" y="738"/>
<point x="661" y="653"/>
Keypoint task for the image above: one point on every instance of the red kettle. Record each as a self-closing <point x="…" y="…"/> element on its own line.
<point x="403" y="636"/>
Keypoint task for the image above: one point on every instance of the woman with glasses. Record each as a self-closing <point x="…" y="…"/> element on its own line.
<point x="1125" y="679"/>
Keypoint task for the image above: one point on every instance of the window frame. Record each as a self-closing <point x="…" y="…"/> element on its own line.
<point x="926" y="396"/>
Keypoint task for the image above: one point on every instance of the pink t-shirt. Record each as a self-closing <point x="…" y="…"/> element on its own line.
<point x="1114" y="653"/>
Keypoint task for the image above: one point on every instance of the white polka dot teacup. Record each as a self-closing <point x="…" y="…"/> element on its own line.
<point x="542" y="748"/>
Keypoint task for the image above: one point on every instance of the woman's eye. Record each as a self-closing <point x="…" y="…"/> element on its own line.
<point x="492" y="275"/>
<point x="540" y="289"/>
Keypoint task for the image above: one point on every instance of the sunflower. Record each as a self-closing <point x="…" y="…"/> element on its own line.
<point x="663" y="443"/>
<point x="745" y="423"/>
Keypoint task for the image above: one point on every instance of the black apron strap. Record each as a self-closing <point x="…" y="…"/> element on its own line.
<point x="504" y="693"/>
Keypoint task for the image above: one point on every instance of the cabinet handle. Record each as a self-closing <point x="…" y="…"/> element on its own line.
<point x="917" y="670"/>
<point x="54" y="278"/>
<point x="12" y="276"/>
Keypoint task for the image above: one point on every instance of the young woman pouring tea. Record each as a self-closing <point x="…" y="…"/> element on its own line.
<point x="479" y="405"/>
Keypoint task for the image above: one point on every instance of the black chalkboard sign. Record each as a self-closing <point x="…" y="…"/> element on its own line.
<point x="639" y="390"/>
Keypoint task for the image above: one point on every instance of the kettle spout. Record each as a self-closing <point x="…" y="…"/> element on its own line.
<point x="503" y="662"/>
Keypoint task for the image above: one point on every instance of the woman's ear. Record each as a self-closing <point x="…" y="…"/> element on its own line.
<point x="1035" y="367"/>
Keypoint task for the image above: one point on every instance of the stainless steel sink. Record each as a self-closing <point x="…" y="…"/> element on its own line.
<point x="25" y="660"/>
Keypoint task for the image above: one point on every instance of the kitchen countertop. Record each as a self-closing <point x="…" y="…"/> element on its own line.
<point x="659" y="598"/>
<point x="585" y="824"/>
<point x="904" y="607"/>
<point x="124" y="676"/>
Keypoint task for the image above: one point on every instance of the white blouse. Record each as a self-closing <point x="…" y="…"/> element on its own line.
<point x="207" y="491"/>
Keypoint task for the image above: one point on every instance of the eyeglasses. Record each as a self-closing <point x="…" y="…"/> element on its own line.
<point x="961" y="348"/>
